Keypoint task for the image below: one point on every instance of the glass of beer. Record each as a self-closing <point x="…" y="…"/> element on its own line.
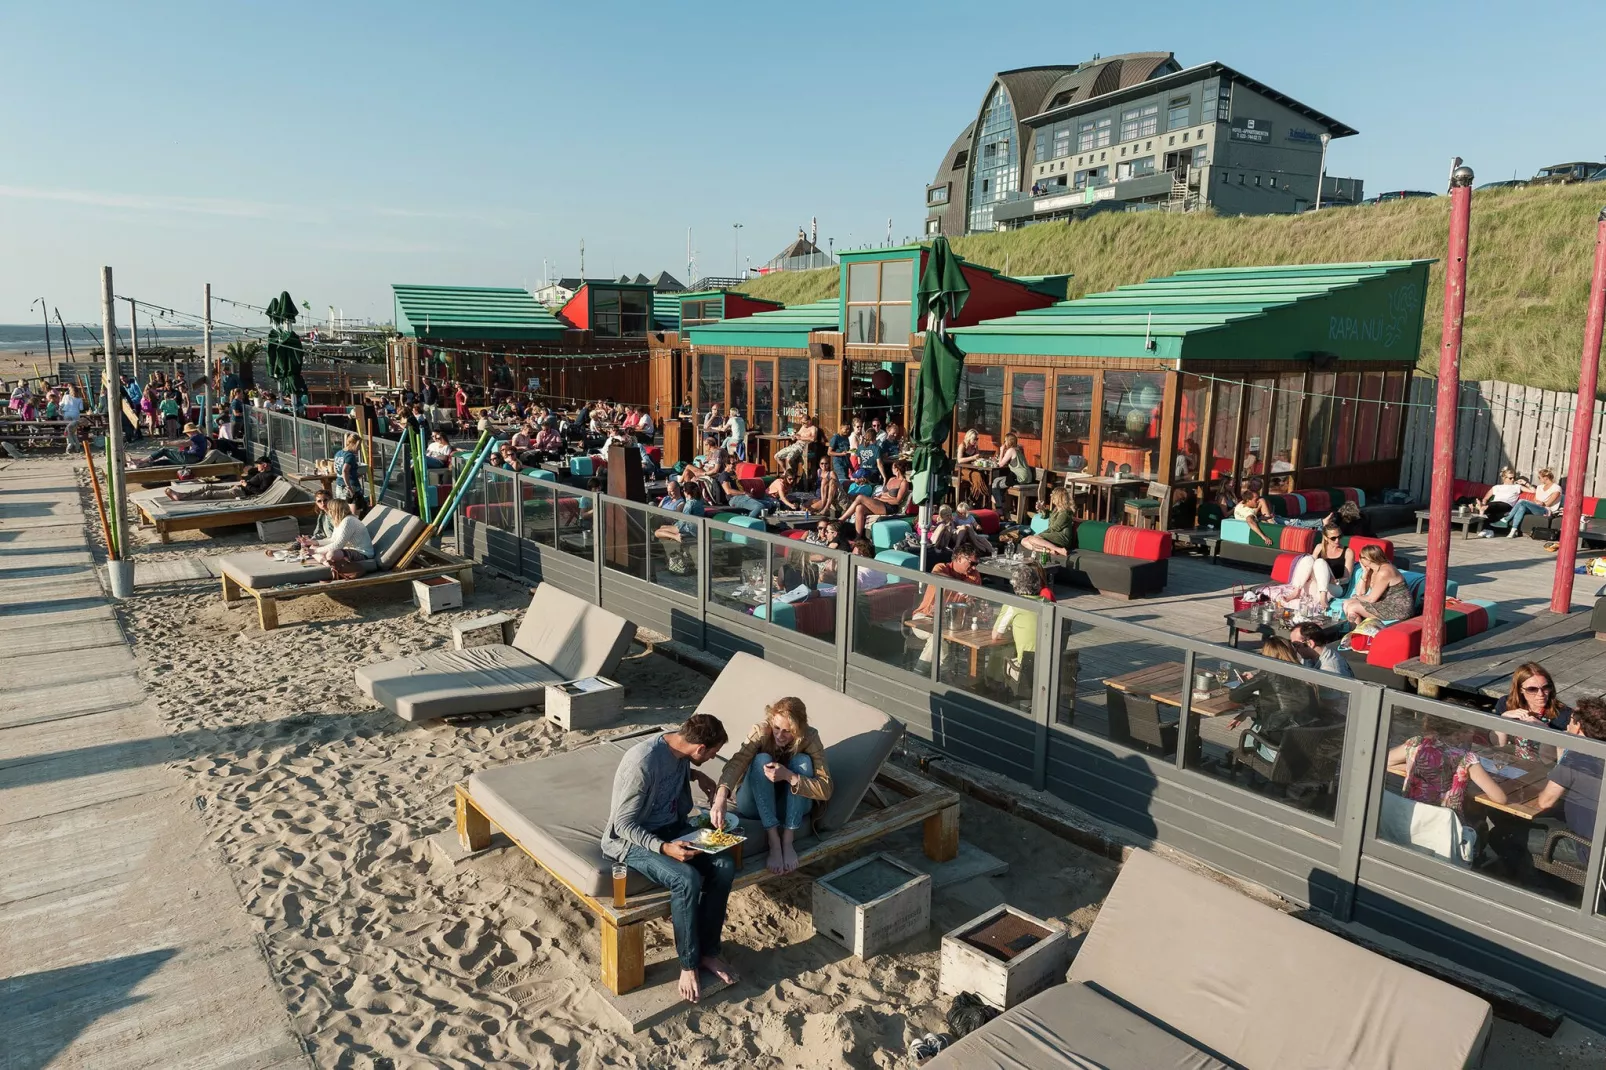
<point x="621" y="873"/>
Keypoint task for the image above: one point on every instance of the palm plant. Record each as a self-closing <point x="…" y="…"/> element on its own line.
<point x="242" y="353"/>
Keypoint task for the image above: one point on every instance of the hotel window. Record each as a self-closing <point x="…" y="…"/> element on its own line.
<point x="1139" y="122"/>
<point x="1224" y="102"/>
<point x="880" y="302"/>
<point x="937" y="196"/>
<point x="1084" y="136"/>
<point x="1176" y="115"/>
<point x="933" y="226"/>
<point x="1062" y="141"/>
<point x="1103" y="138"/>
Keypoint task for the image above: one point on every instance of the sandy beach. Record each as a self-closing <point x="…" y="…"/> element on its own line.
<point x="320" y="806"/>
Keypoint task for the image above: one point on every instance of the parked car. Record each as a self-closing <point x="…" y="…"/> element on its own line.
<point x="1560" y="174"/>
<point x="1398" y="195"/>
<point x="1510" y="183"/>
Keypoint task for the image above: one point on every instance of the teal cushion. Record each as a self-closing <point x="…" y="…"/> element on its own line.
<point x="885" y="534"/>
<point x="1039" y="524"/>
<point x="898" y="557"/>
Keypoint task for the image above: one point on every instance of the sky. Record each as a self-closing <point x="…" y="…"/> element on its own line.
<point x="332" y="149"/>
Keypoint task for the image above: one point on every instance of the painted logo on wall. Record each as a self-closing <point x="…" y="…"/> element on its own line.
<point x="1385" y="331"/>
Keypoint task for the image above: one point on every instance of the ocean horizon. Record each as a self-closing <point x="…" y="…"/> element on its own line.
<point x="30" y="337"/>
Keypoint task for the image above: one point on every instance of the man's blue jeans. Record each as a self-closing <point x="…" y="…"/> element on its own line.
<point x="750" y="505"/>
<point x="698" y="892"/>
<point x="757" y="797"/>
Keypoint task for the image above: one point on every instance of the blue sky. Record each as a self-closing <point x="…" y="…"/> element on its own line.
<point x="332" y="149"/>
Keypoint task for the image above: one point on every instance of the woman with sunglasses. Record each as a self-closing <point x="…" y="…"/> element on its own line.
<point x="1532" y="701"/>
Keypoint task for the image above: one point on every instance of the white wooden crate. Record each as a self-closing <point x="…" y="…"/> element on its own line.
<point x="582" y="705"/>
<point x="437" y="594"/>
<point x="1002" y="984"/>
<point x="872" y="904"/>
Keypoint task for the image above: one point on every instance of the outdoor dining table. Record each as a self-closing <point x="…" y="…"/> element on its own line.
<point x="979" y="641"/>
<point x="324" y="479"/>
<point x="1164" y="684"/>
<point x="1522" y="792"/>
<point x="1105" y="488"/>
<point x="973" y="481"/>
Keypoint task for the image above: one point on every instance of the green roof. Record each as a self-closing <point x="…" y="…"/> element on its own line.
<point x="1364" y="311"/>
<point x="787" y="328"/>
<point x="473" y="312"/>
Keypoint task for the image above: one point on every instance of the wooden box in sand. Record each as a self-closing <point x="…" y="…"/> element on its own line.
<point x="873" y="904"/>
<point x="437" y="594"/>
<point x="581" y="705"/>
<point x="1003" y="956"/>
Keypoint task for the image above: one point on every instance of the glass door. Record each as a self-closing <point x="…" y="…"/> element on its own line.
<point x="762" y="419"/>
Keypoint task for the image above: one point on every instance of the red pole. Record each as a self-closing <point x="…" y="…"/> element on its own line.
<point x="1449" y="395"/>
<point x="1561" y="595"/>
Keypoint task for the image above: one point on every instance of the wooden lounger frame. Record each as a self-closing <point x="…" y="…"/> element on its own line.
<point x="150" y="477"/>
<point x="435" y="563"/>
<point x="623" y="929"/>
<point x="166" y="525"/>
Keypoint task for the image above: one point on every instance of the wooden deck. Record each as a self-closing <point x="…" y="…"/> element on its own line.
<point x="1566" y="645"/>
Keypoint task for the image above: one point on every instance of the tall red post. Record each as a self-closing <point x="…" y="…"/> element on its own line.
<point x="1444" y="420"/>
<point x="1572" y="510"/>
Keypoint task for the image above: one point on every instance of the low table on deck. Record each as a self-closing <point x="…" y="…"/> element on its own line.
<point x="1464" y="521"/>
<point x="1483" y="665"/>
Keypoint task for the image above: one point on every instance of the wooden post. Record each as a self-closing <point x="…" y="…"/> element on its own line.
<point x="133" y="336"/>
<point x="942" y="834"/>
<point x="116" y="489"/>
<point x="206" y="367"/>
<point x="1561" y="595"/>
<point x="473" y="828"/>
<point x="624" y="955"/>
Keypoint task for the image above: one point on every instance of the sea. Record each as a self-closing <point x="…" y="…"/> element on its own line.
<point x="30" y="337"/>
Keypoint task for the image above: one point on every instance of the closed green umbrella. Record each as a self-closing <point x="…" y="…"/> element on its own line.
<point x="285" y="352"/>
<point x="943" y="292"/>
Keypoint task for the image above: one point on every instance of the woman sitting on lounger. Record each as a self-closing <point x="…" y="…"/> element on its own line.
<point x="349" y="542"/>
<point x="891" y="499"/>
<point x="793" y="775"/>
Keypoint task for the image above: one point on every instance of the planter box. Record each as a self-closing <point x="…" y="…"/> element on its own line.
<point x="873" y="904"/>
<point x="483" y="631"/>
<point x="279" y="529"/>
<point x="434" y="595"/>
<point x="1003" y="956"/>
<point x="580" y="706"/>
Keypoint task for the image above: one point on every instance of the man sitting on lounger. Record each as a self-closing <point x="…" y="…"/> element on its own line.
<point x="258" y="479"/>
<point x="651" y="800"/>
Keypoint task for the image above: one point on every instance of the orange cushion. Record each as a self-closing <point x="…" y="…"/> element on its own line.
<point x="987" y="521"/>
<point x="1144" y="543"/>
<point x="748" y="470"/>
<point x="1282" y="569"/>
<point x="1317" y="501"/>
<point x="1297" y="540"/>
<point x="1360" y="542"/>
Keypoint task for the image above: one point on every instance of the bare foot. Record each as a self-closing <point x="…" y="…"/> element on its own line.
<point x="788" y="859"/>
<point x="777" y="860"/>
<point x="689" y="989"/>
<point x="721" y="969"/>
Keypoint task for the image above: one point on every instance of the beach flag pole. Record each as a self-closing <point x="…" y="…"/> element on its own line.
<point x="447" y="507"/>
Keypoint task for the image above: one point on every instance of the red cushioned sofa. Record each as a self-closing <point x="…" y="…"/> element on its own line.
<point x="1118" y="561"/>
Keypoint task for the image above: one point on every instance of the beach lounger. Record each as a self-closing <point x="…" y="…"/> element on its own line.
<point x="554" y="808"/>
<point x="283" y="498"/>
<point x="561" y="638"/>
<point x="151" y="477"/>
<point x="267" y="581"/>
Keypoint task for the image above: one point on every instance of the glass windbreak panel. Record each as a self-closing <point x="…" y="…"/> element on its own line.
<point x="1343" y="435"/>
<point x="1119" y="688"/>
<point x="1284" y="426"/>
<point x="1368" y="411"/>
<point x="762" y="418"/>
<point x="981" y="403"/>
<point x="1027" y="394"/>
<point x="574" y="515"/>
<point x="803" y="590"/>
<point x="1265" y="731"/>
<point x="538" y="509"/>
<point x="1073" y="422"/>
<point x="989" y="648"/>
<point x="885" y="627"/>
<point x="1516" y="810"/>
<point x="1388" y="423"/>
<point x="1131" y="437"/>
<point x="1190" y="429"/>
<point x="898" y="281"/>
<point x="1318" y="444"/>
<point x="498" y="499"/>
<point x="626" y="533"/>
<point x="738" y="388"/>
<point x="1224" y="430"/>
<point x="862" y="282"/>
<point x="1257" y="425"/>
<point x="672" y="552"/>
<point x="794" y="391"/>
<point x="710" y="381"/>
<point x="309" y="443"/>
<point x="736" y="572"/>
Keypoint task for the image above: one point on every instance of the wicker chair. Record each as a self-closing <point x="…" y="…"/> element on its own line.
<point x="1305" y="757"/>
<point x="1145" y="724"/>
<point x="1547" y="861"/>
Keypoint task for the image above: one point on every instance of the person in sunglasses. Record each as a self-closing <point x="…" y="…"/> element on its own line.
<point x="1532" y="701"/>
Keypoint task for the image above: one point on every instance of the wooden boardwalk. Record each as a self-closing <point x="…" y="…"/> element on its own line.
<point x="122" y="941"/>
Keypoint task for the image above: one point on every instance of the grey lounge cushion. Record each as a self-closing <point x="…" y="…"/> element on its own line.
<point x="392" y="531"/>
<point x="256" y="569"/>
<point x="441" y="683"/>
<point x="556" y="808"/>
<point x="1072" y="1027"/>
<point x="573" y="636"/>
<point x="281" y="492"/>
<point x="1262" y="988"/>
<point x="857" y="736"/>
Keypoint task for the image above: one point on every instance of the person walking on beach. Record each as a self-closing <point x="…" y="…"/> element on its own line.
<point x="651" y="801"/>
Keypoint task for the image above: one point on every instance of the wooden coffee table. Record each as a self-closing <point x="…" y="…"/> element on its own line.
<point x="1464" y="521"/>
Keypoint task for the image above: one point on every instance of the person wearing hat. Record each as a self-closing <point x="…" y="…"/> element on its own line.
<point x="196" y="449"/>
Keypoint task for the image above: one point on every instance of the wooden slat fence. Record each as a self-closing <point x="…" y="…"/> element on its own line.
<point x="1500" y="424"/>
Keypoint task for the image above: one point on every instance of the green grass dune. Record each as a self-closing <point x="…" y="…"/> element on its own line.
<point x="1528" y="276"/>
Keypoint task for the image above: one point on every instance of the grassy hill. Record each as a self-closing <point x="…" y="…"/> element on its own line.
<point x="1528" y="273"/>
